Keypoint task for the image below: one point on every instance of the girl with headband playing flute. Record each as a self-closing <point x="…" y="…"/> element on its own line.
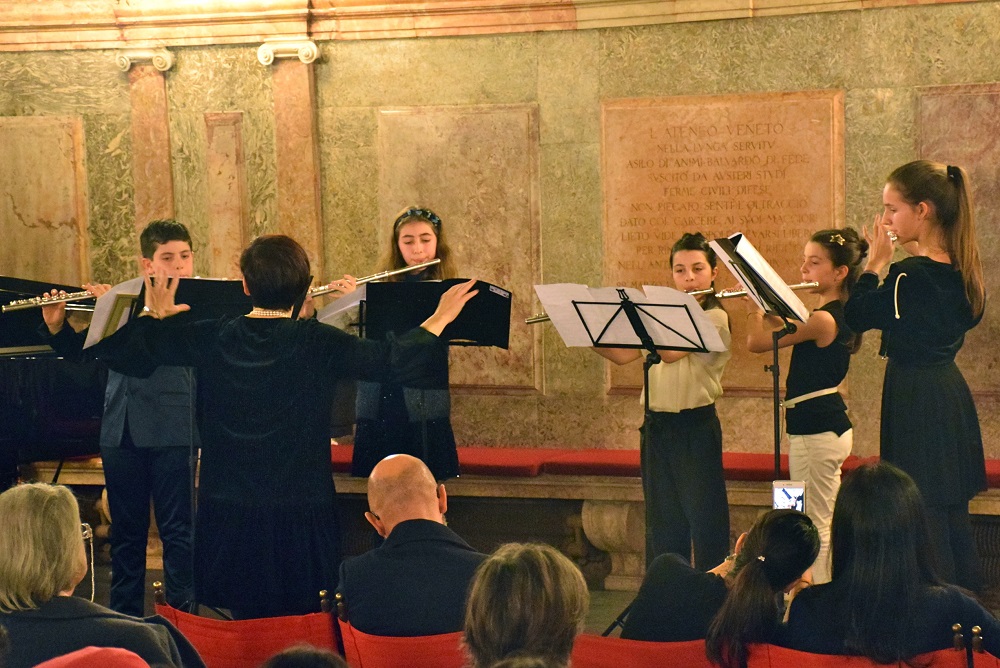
<point x="391" y="418"/>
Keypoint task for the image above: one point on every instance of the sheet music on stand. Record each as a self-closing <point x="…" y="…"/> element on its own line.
<point x="761" y="282"/>
<point x="593" y="317"/>
<point x="344" y="312"/>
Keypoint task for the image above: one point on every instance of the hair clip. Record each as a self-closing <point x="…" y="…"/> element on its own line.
<point x="426" y="214"/>
<point x="953" y="173"/>
<point x="837" y="239"/>
<point x="760" y="558"/>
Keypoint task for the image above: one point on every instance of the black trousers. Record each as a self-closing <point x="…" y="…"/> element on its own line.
<point x="132" y="476"/>
<point x="684" y="486"/>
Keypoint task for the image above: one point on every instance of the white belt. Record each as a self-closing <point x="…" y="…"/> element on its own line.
<point x="789" y="403"/>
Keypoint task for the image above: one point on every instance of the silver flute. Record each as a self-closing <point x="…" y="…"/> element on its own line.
<point x="45" y="300"/>
<point x="326" y="289"/>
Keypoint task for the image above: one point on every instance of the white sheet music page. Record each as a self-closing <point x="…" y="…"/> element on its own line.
<point x="113" y="304"/>
<point x="342" y="312"/>
<point x="583" y="315"/>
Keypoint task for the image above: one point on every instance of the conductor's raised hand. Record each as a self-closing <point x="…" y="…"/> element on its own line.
<point x="449" y="306"/>
<point x="161" y="291"/>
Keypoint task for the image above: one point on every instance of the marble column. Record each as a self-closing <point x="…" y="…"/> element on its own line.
<point x="152" y="176"/>
<point x="299" y="202"/>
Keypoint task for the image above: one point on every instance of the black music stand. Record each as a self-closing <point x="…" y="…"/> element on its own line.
<point x="765" y="288"/>
<point x="399" y="307"/>
<point x="667" y="322"/>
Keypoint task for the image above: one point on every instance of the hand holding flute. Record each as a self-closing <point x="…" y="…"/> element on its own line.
<point x="54" y="314"/>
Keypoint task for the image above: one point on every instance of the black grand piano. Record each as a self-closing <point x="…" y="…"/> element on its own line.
<point x="50" y="408"/>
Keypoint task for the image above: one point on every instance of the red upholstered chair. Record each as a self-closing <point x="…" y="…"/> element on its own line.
<point x="248" y="643"/>
<point x="363" y="650"/>
<point x="591" y="651"/>
<point x="772" y="656"/>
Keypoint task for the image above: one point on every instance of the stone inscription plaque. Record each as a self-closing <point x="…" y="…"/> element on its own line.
<point x="959" y="126"/>
<point x="770" y="166"/>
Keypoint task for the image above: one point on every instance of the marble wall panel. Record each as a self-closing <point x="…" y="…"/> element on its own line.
<point x="87" y="85"/>
<point x="226" y="186"/>
<point x="960" y="125"/>
<point x="221" y="80"/>
<point x="477" y="168"/>
<point x="43" y="199"/>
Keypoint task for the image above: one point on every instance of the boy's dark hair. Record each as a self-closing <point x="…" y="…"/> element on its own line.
<point x="305" y="656"/>
<point x="276" y="269"/>
<point x="159" y="232"/>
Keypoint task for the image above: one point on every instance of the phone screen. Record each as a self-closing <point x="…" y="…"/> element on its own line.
<point x="789" y="494"/>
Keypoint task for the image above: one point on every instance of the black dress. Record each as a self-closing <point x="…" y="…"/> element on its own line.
<point x="403" y="418"/>
<point x="930" y="428"/>
<point x="267" y="538"/>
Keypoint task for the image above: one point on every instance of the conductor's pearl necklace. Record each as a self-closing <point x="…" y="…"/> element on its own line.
<point x="258" y="312"/>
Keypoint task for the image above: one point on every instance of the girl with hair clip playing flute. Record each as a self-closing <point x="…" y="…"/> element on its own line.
<point x="391" y="418"/>
<point x="681" y="439"/>
<point x="924" y="307"/>
<point x="820" y="434"/>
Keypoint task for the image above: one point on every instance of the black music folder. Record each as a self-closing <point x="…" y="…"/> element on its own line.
<point x="399" y="307"/>
<point x="209" y="298"/>
<point x="19" y="330"/>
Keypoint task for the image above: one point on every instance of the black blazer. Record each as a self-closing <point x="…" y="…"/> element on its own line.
<point x="65" y="624"/>
<point x="414" y="584"/>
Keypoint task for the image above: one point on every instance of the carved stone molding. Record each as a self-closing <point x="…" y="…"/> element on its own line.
<point x="306" y="52"/>
<point x="48" y="25"/>
<point x="161" y="59"/>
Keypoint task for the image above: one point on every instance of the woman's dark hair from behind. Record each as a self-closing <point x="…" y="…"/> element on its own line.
<point x="276" y="269"/>
<point x="698" y="242"/>
<point x="846" y="248"/>
<point x="881" y="557"/>
<point x="778" y="549"/>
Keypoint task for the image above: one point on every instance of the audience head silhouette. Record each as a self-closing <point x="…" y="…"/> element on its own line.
<point x="402" y="488"/>
<point x="41" y="545"/>
<point x="881" y="556"/>
<point x="774" y="556"/>
<point x="526" y="601"/>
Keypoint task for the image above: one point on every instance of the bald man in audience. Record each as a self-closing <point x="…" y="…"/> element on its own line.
<point x="415" y="583"/>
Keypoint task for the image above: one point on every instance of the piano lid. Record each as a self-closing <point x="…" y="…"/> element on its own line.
<point x="19" y="329"/>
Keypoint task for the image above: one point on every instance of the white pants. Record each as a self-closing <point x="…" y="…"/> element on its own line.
<point x="816" y="458"/>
